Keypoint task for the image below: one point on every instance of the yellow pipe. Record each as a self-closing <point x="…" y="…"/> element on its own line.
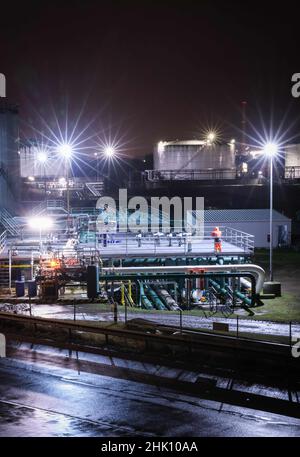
<point x="16" y="266"/>
<point x="130" y="290"/>
<point x="122" y="294"/>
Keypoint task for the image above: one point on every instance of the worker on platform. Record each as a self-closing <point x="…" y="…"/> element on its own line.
<point x="139" y="238"/>
<point x="216" y="234"/>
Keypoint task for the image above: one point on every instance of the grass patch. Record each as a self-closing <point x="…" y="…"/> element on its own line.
<point x="282" y="258"/>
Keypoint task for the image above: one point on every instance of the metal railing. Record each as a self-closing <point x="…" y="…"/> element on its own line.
<point x="89" y="210"/>
<point x="238" y="238"/>
<point x="292" y="172"/>
<point x="191" y="175"/>
<point x="233" y="241"/>
<point x="224" y="340"/>
<point x="49" y="205"/>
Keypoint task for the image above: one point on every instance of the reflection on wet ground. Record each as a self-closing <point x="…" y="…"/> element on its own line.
<point x="55" y="401"/>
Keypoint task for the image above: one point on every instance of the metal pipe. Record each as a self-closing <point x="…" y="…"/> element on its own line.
<point x="152" y="295"/>
<point x="258" y="271"/>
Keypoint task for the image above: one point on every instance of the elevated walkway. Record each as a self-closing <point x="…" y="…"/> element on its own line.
<point x="50" y="207"/>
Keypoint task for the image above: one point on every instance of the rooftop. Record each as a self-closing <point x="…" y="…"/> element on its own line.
<point x="241" y="215"/>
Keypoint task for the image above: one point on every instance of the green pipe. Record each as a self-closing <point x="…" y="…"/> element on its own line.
<point x="144" y="301"/>
<point x="182" y="276"/>
<point x="217" y="286"/>
<point x="158" y="304"/>
<point x="237" y="293"/>
<point x="243" y="297"/>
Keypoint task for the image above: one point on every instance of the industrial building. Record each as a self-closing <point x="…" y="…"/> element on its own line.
<point x="255" y="222"/>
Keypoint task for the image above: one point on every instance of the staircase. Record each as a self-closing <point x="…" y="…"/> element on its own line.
<point x="2" y="241"/>
<point x="9" y="223"/>
<point x="95" y="188"/>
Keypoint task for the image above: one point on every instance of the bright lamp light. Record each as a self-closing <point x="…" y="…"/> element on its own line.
<point x="109" y="151"/>
<point x="161" y="146"/>
<point x="42" y="157"/>
<point x="65" y="150"/>
<point x="270" y="149"/>
<point x="211" y="137"/>
<point x="62" y="181"/>
<point x="40" y="223"/>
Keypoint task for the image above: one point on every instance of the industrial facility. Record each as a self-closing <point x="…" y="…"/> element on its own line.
<point x="56" y="237"/>
<point x="54" y="234"/>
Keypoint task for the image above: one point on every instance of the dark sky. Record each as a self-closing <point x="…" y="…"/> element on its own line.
<point x="146" y="71"/>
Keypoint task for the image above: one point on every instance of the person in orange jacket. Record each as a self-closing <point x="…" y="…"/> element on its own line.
<point x="216" y="234"/>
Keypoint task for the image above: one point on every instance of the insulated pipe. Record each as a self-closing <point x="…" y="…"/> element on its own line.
<point x="145" y="302"/>
<point x="258" y="272"/>
<point x="152" y="295"/>
<point x="246" y="283"/>
<point x="170" y="302"/>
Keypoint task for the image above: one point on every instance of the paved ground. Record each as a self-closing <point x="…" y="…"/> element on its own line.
<point x="41" y="400"/>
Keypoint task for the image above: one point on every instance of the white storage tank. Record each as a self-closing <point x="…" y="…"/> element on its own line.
<point x="292" y="161"/>
<point x="195" y="156"/>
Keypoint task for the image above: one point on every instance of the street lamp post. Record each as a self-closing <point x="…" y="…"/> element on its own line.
<point x="270" y="150"/>
<point x="68" y="188"/>
<point x="271" y="218"/>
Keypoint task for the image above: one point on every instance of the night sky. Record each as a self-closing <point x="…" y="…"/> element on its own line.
<point x="145" y="71"/>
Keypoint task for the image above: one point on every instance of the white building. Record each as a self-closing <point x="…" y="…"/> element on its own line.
<point x="254" y="222"/>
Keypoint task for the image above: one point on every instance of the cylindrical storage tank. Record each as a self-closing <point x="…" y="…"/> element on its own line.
<point x="20" y="288"/>
<point x="32" y="289"/>
<point x="194" y="155"/>
<point x="292" y="161"/>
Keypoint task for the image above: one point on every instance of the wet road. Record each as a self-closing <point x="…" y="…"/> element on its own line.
<point x="41" y="400"/>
